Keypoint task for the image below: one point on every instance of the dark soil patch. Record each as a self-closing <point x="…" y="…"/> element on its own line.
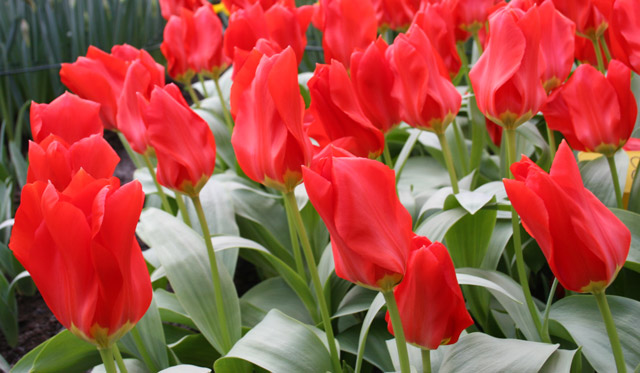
<point x="36" y="324"/>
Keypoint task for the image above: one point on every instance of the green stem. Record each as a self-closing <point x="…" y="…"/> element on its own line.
<point x="204" y="89"/>
<point x="426" y="360"/>
<point x="107" y="359"/>
<point x="215" y="275"/>
<point x="603" y="305"/>
<point x="119" y="361"/>
<point x="596" y="47"/>
<point x="448" y="159"/>
<point x="476" y="39"/>
<point x="605" y="47"/>
<point x="462" y="148"/>
<point x="464" y="67"/>
<point x="183" y="209"/>
<point x="547" y="310"/>
<point x="552" y="142"/>
<point x="398" y="331"/>
<point x="315" y="279"/>
<point x="386" y="155"/>
<point x="165" y="202"/>
<point x="616" y="180"/>
<point x="517" y="243"/>
<point x="137" y="339"/>
<point x="135" y="157"/>
<point x="295" y="244"/>
<point x="194" y="96"/>
<point x="225" y="110"/>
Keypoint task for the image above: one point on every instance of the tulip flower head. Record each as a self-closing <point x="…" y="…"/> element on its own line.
<point x="57" y="116"/>
<point x="170" y="8"/>
<point x="506" y="78"/>
<point x="192" y="44"/>
<point x="429" y="100"/>
<point x="346" y="25"/>
<point x="268" y="138"/>
<point x="337" y="115"/>
<point x="370" y="229"/>
<point x="609" y="121"/>
<point x="394" y="14"/>
<point x="430" y="302"/>
<point x="624" y="32"/>
<point x="590" y="16"/>
<point x="183" y="142"/>
<point x="79" y="246"/>
<point x="569" y="222"/>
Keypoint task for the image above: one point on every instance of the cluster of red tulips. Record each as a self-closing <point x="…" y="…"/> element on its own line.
<point x="75" y="227"/>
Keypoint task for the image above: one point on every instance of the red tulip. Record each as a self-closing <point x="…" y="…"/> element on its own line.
<point x="100" y="76"/>
<point x="436" y="20"/>
<point x="506" y="78"/>
<point x="585" y="52"/>
<point x="370" y="229"/>
<point x="394" y="14"/>
<point x="283" y="25"/>
<point x="56" y="161"/>
<point x="235" y="5"/>
<point x="346" y="25"/>
<point x="170" y="8"/>
<point x="193" y="44"/>
<point x="56" y="118"/>
<point x="495" y="132"/>
<point x="471" y="15"/>
<point x="372" y="79"/>
<point x="429" y="100"/>
<point x="268" y="138"/>
<point x="80" y="248"/>
<point x="569" y="222"/>
<point x="557" y="45"/>
<point x="183" y="142"/>
<point x="337" y="116"/>
<point x="429" y="299"/>
<point x="590" y="16"/>
<point x="624" y="31"/>
<point x="607" y="124"/>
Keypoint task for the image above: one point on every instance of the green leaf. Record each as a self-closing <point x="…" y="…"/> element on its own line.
<point x="375" y="352"/>
<point x="502" y="232"/>
<point x="516" y="309"/>
<point x="596" y="176"/>
<point x="473" y="201"/>
<point x="19" y="163"/>
<point x="151" y="347"/>
<point x="133" y="366"/>
<point x="632" y="221"/>
<point x="376" y="306"/>
<point x="479" y="352"/>
<point x="274" y="293"/>
<point x="194" y="349"/>
<point x="560" y="361"/>
<point x="280" y="344"/>
<point x="63" y="352"/>
<point x="185" y="368"/>
<point x="580" y="316"/>
<point x="468" y="239"/>
<point x="4" y="366"/>
<point x="8" y="312"/>
<point x="170" y="308"/>
<point x="183" y="255"/>
<point x="220" y="131"/>
<point x="467" y="279"/>
<point x="437" y="225"/>
<point x="357" y="299"/>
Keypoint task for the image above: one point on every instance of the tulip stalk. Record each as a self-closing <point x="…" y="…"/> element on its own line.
<point x="193" y="95"/>
<point x="183" y="209"/>
<point x="596" y="47"/>
<point x="476" y="39"/>
<point x="517" y="244"/>
<point x="225" y="111"/>
<point x="165" y="202"/>
<point x="295" y="244"/>
<point x="315" y="279"/>
<point x="215" y="275"/>
<point x="603" y="305"/>
<point x="398" y="331"/>
<point x="106" y="354"/>
<point x="386" y="155"/>
<point x="605" y="48"/>
<point x="616" y="181"/>
<point x="119" y="361"/>
<point x="552" y="142"/>
<point x="462" y="148"/>
<point x="547" y="310"/>
<point x="448" y="159"/>
<point x="204" y="88"/>
<point x="426" y="360"/>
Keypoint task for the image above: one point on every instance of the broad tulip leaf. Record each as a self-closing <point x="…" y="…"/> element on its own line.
<point x="357" y="299"/>
<point x="632" y="221"/>
<point x="376" y="306"/>
<point x="274" y="293"/>
<point x="473" y="201"/>
<point x="170" y="308"/>
<point x="561" y="361"/>
<point x="580" y="317"/>
<point x="280" y="344"/>
<point x="517" y="310"/>
<point x="183" y="255"/>
<point x="148" y="186"/>
<point x="63" y="352"/>
<point x="596" y="176"/>
<point x="185" y="368"/>
<point x="479" y="352"/>
<point x="468" y="239"/>
<point x="8" y="312"/>
<point x="502" y="232"/>
<point x="467" y="279"/>
<point x="194" y="349"/>
<point x="151" y="347"/>
<point x="437" y="225"/>
<point x="4" y="366"/>
<point x="289" y="275"/>
<point x="220" y="131"/>
<point x="375" y="352"/>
